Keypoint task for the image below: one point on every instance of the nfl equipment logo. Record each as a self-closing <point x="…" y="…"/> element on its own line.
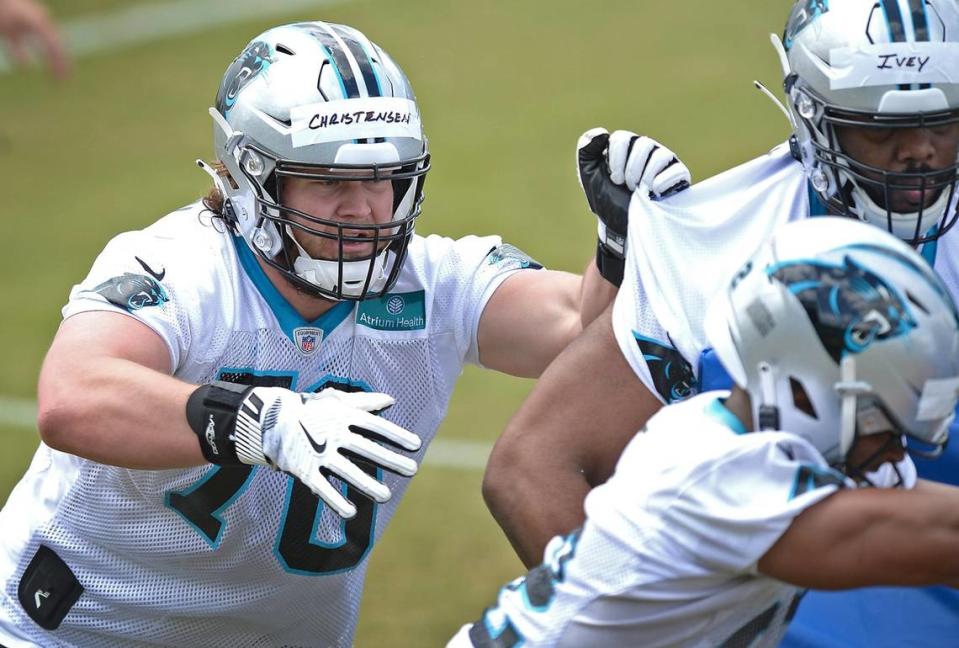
<point x="307" y="339"/>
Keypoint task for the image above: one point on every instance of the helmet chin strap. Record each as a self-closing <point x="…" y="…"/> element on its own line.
<point x="849" y="390"/>
<point x="768" y="411"/>
<point x="326" y="274"/>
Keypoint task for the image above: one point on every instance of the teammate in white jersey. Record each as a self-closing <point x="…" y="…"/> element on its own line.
<point x="727" y="505"/>
<point x="261" y="331"/>
<point x="876" y="138"/>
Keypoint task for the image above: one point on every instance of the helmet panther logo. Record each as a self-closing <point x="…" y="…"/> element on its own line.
<point x="849" y="306"/>
<point x="803" y="15"/>
<point x="256" y="58"/>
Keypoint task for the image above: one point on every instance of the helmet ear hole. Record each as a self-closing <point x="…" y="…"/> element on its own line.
<point x="801" y="400"/>
<point x="270" y="185"/>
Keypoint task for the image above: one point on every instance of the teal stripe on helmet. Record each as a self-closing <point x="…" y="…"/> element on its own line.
<point x="363" y="60"/>
<point x="920" y="19"/>
<point x="897" y="30"/>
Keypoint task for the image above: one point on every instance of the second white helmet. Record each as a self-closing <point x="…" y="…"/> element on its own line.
<point x="835" y="328"/>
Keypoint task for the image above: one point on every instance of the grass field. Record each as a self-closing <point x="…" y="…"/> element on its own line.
<point x="505" y="87"/>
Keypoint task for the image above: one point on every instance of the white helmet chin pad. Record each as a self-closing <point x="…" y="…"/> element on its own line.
<point x="899" y="224"/>
<point x="326" y="274"/>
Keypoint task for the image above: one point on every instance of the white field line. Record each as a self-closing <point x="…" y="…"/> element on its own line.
<point x="143" y="23"/>
<point x="442" y="453"/>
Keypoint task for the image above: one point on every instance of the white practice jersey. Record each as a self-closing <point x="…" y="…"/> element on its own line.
<point x="238" y="556"/>
<point x="668" y="553"/>
<point x="683" y="249"/>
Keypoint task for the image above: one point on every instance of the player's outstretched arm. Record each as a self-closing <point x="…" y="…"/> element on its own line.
<point x="534" y="315"/>
<point x="565" y="439"/>
<point x="871" y="536"/>
<point x="106" y="394"/>
<point x="25" y="20"/>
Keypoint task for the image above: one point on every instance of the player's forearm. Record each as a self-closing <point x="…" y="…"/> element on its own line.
<point x="531" y="500"/>
<point x="596" y="293"/>
<point x="117" y="412"/>
<point x="566" y="438"/>
<point x="871" y="537"/>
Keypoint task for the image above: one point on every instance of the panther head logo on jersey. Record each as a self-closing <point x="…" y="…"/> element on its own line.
<point x="133" y="291"/>
<point x="672" y="374"/>
<point x="510" y="257"/>
<point x="849" y="306"/>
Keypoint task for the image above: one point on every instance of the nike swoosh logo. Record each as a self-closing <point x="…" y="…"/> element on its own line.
<point x="319" y="448"/>
<point x="158" y="276"/>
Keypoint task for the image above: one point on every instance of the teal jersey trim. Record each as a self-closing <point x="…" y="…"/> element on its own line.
<point x="285" y="314"/>
<point x="716" y="409"/>
<point x="816" y="206"/>
<point x="928" y="250"/>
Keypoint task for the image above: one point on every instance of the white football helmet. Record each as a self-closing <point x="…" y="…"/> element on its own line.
<point x="319" y="101"/>
<point x="883" y="64"/>
<point x="837" y="329"/>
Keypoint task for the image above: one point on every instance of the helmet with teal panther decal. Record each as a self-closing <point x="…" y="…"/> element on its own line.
<point x="883" y="66"/>
<point x="321" y="102"/>
<point x="837" y="329"/>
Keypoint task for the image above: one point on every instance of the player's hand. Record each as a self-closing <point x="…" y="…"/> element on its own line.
<point x="311" y="436"/>
<point x="612" y="166"/>
<point x="24" y="20"/>
<point x="642" y="163"/>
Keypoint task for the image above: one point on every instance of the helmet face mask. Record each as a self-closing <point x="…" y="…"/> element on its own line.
<point x="851" y="186"/>
<point x="321" y="103"/>
<point x="843" y="332"/>
<point x="840" y="77"/>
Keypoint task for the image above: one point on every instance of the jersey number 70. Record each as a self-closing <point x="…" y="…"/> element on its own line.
<point x="202" y="504"/>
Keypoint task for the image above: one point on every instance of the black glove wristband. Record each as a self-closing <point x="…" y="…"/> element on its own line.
<point x="611" y="266"/>
<point x="211" y="411"/>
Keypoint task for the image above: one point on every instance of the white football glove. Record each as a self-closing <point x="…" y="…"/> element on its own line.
<point x="606" y="162"/>
<point x="641" y="162"/>
<point x="308" y="435"/>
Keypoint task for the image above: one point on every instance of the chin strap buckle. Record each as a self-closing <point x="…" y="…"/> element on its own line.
<point x="768" y="412"/>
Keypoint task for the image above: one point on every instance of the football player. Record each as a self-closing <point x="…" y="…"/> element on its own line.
<point x="843" y="344"/>
<point x="871" y="90"/>
<point x="220" y="439"/>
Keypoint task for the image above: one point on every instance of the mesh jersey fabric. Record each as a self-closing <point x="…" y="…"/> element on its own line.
<point x="668" y="553"/>
<point x="239" y="556"/>
<point x="682" y="249"/>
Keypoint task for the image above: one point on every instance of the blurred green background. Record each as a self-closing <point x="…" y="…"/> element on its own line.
<point x="505" y="88"/>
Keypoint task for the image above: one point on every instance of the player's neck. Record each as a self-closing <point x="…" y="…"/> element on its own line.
<point x="309" y="307"/>
<point x="740" y="405"/>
